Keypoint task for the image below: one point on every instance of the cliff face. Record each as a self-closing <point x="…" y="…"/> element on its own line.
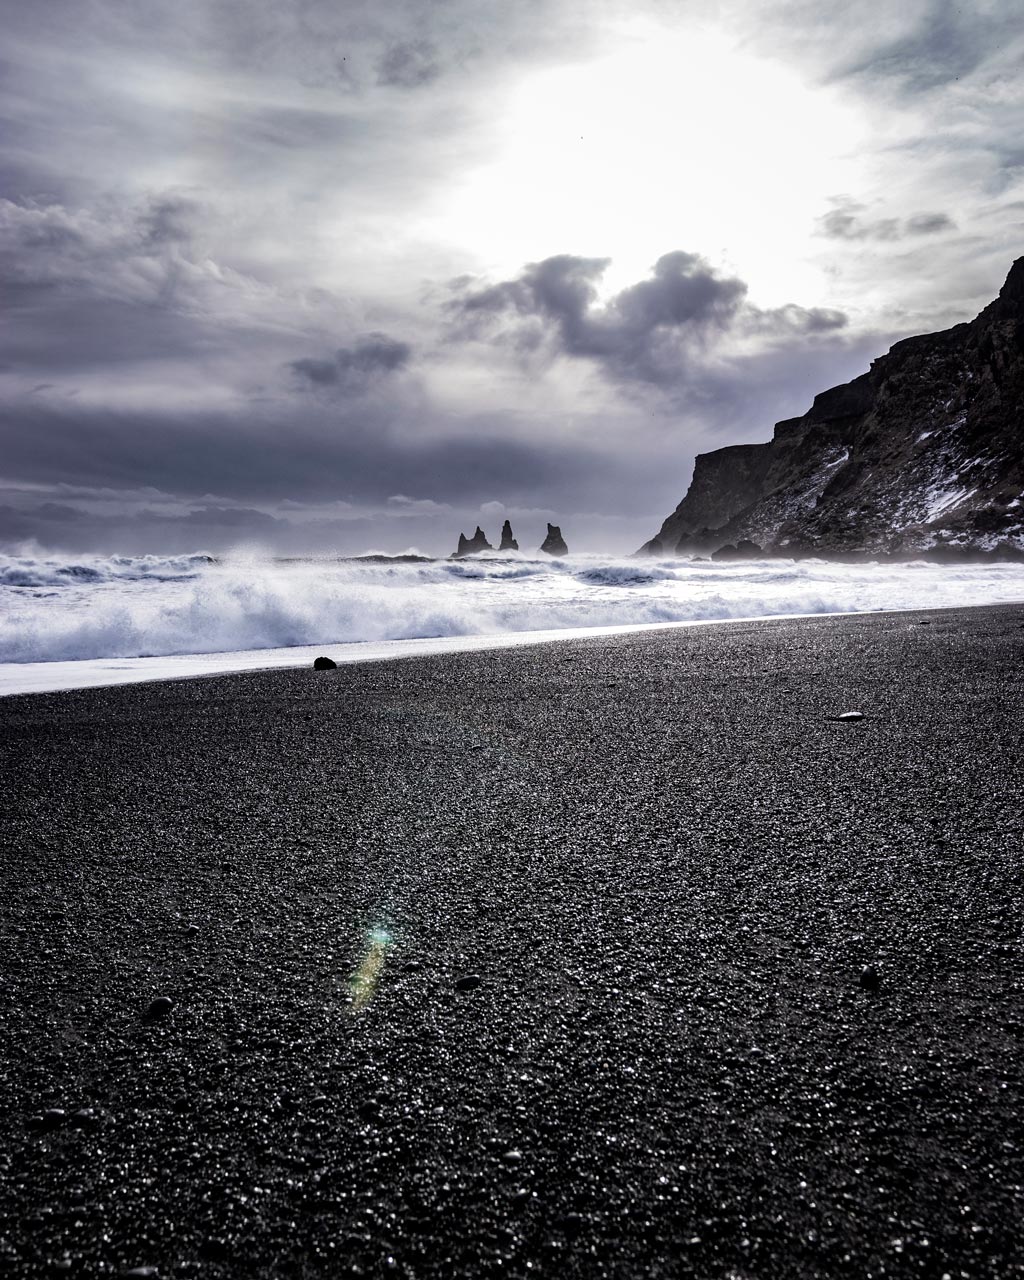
<point x="923" y="453"/>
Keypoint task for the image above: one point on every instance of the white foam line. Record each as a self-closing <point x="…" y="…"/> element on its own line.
<point x="94" y="673"/>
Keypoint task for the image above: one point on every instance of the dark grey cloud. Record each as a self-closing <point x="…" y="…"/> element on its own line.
<point x="115" y="291"/>
<point x="928" y="224"/>
<point x="911" y="49"/>
<point x="168" y="219"/>
<point x="144" y="252"/>
<point x="321" y="373"/>
<point x="684" y="291"/>
<point x="409" y="64"/>
<point x="844" y="224"/>
<point x="949" y="41"/>
<point x="637" y="334"/>
<point x="270" y="453"/>
<point x="783" y="324"/>
<point x="648" y="332"/>
<point x="849" y="220"/>
<point x="354" y="368"/>
<point x="146" y="530"/>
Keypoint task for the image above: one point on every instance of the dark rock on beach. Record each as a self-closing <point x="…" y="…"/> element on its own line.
<point x="670" y="867"/>
<point x="554" y="543"/>
<point x="324" y="664"/>
<point x="869" y="979"/>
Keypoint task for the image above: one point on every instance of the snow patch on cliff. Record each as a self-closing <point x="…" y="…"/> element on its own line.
<point x="938" y="500"/>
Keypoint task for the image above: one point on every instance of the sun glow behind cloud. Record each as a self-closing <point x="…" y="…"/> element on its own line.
<point x="205" y="222"/>
<point x="671" y="139"/>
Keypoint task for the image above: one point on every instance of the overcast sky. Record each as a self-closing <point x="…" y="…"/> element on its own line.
<point x="325" y="274"/>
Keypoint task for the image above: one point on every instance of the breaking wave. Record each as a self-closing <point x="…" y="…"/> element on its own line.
<point x="25" y="571"/>
<point x="126" y="607"/>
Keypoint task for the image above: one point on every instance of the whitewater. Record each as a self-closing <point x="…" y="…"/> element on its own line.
<point x="86" y="621"/>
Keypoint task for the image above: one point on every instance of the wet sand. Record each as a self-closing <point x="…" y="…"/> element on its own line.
<point x="666" y="863"/>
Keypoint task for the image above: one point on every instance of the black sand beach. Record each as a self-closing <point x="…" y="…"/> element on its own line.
<point x="668" y="865"/>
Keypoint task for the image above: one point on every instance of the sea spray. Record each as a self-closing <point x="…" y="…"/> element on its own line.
<point x="126" y="607"/>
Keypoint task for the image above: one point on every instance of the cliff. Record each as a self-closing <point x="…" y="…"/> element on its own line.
<point x="924" y="453"/>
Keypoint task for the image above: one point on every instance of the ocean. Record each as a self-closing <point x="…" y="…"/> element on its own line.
<point x="72" y="622"/>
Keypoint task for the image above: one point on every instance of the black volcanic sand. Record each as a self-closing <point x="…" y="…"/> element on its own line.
<point x="667" y="865"/>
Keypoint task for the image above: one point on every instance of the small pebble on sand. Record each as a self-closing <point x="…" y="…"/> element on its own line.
<point x="869" y="979"/>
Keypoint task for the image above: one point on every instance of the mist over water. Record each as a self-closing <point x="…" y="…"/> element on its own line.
<point x="127" y="607"/>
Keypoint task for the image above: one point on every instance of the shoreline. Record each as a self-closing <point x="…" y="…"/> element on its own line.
<point x="540" y="963"/>
<point x="22" y="678"/>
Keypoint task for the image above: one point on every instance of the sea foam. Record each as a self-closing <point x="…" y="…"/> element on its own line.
<point x="57" y="610"/>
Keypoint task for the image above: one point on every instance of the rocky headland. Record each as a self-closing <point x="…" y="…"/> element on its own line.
<point x="923" y="454"/>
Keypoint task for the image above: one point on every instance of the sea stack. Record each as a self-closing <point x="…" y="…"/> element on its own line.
<point x="470" y="546"/>
<point x="508" y="543"/>
<point x="554" y="543"/>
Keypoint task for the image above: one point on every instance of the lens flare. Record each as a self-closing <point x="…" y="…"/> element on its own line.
<point x="363" y="983"/>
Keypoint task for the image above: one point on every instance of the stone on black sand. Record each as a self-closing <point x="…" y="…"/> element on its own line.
<point x="324" y="664"/>
<point x="469" y="983"/>
<point x="214" y="1249"/>
<point x="160" y="1007"/>
<point x="869" y="979"/>
<point x="847" y="717"/>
